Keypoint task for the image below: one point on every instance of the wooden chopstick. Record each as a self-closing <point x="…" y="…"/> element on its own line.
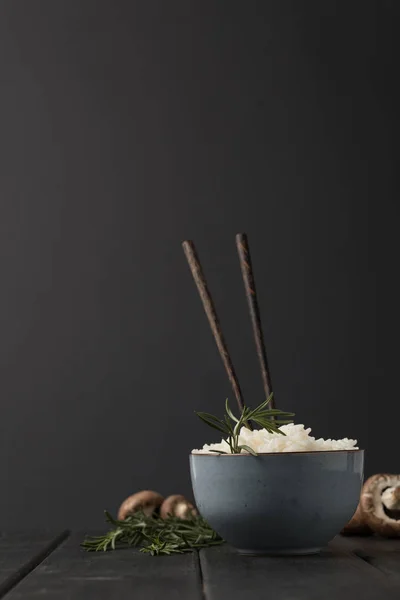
<point x="251" y="294"/>
<point x="208" y="304"/>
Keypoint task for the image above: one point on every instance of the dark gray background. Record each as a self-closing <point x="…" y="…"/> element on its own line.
<point x="126" y="127"/>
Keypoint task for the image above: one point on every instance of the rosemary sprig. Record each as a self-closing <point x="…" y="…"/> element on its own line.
<point x="155" y="536"/>
<point x="230" y="426"/>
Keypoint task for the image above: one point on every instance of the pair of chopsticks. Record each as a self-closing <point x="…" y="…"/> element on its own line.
<point x="208" y="304"/>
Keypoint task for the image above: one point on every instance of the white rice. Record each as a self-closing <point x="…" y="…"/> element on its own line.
<point x="296" y="439"/>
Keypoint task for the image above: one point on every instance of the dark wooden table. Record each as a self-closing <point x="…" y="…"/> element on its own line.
<point x="45" y="565"/>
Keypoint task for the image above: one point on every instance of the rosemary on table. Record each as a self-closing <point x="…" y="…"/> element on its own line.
<point x="230" y="426"/>
<point x="155" y="536"/>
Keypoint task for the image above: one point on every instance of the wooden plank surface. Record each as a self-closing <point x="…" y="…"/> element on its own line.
<point x="381" y="553"/>
<point x="331" y="575"/>
<point x="45" y="565"/>
<point x="70" y="573"/>
<point x="20" y="553"/>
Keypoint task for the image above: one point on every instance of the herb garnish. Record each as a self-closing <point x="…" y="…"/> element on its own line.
<point x="230" y="426"/>
<point x="154" y="535"/>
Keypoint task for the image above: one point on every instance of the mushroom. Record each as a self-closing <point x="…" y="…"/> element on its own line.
<point x="356" y="525"/>
<point x="146" y="501"/>
<point x="177" y="506"/>
<point x="380" y="504"/>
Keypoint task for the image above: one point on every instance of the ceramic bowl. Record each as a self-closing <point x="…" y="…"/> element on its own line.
<point x="287" y="503"/>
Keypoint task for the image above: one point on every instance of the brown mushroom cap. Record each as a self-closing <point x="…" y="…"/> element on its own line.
<point x="380" y="504"/>
<point x="146" y="501"/>
<point x="177" y="506"/>
<point x="357" y="525"/>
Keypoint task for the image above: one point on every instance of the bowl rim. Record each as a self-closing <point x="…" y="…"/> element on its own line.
<point x="216" y="454"/>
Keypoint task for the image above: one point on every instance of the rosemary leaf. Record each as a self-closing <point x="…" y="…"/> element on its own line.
<point x="248" y="449"/>
<point x="229" y="412"/>
<point x="269" y="419"/>
<point x="155" y="536"/>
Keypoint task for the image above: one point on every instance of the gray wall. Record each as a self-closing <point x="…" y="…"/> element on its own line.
<point x="127" y="126"/>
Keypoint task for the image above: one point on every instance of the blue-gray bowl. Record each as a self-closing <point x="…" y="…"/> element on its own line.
<point x="286" y="503"/>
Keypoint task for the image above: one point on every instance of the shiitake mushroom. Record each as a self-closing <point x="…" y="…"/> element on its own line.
<point x="379" y="508"/>
<point x="357" y="525"/>
<point x="380" y="504"/>
<point x="177" y="506"/>
<point x="146" y="501"/>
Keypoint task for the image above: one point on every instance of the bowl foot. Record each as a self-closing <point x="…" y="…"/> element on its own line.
<point x="279" y="552"/>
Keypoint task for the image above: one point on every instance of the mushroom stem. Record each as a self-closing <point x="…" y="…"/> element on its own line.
<point x="391" y="498"/>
